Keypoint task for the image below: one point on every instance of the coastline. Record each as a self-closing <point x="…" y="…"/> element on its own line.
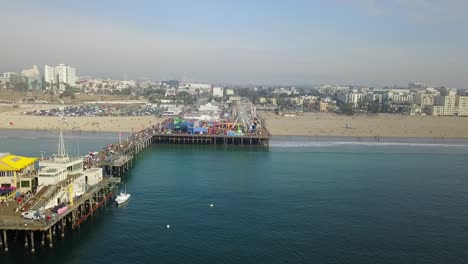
<point x="277" y="140"/>
<point x="366" y="128"/>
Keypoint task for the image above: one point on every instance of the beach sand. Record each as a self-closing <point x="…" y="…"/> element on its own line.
<point x="308" y="124"/>
<point x="384" y="125"/>
<point x="98" y="124"/>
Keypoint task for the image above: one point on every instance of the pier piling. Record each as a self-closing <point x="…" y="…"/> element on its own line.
<point x="32" y="242"/>
<point x="6" y="240"/>
<point x="25" y="239"/>
<point x="51" y="245"/>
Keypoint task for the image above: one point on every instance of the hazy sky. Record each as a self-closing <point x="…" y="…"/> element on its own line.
<point x="338" y="41"/>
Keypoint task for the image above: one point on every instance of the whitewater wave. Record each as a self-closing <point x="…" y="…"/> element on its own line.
<point x="290" y="144"/>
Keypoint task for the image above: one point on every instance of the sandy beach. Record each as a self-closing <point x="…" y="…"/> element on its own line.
<point x="11" y="118"/>
<point x="308" y="124"/>
<point x="326" y="124"/>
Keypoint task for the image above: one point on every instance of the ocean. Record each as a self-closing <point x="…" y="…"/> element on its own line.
<point x="300" y="201"/>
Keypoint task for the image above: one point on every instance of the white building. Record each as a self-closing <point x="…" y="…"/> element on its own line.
<point x="424" y="99"/>
<point x="443" y="105"/>
<point x="353" y="97"/>
<point x="399" y="96"/>
<point x="8" y="77"/>
<point x="218" y="91"/>
<point x="171" y="91"/>
<point x="64" y="178"/>
<point x="209" y="107"/>
<point x="374" y="96"/>
<point x="62" y="74"/>
<point x="199" y="88"/>
<point x="229" y="91"/>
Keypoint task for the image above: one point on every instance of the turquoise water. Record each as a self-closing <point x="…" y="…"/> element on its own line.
<point x="294" y="203"/>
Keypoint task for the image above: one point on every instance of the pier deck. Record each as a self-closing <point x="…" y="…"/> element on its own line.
<point x="12" y="220"/>
<point x="114" y="159"/>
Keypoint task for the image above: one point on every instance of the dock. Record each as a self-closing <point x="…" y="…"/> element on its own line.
<point x="114" y="160"/>
<point x="81" y="209"/>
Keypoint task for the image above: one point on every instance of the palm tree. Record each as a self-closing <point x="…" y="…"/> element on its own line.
<point x="35" y="84"/>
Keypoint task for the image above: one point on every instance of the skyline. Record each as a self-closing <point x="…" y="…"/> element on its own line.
<point x="363" y="43"/>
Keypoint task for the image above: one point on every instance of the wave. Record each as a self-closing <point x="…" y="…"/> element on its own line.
<point x="295" y="144"/>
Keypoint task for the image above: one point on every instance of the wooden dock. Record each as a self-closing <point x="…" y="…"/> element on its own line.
<point x="72" y="217"/>
<point x="114" y="161"/>
<point x="245" y="140"/>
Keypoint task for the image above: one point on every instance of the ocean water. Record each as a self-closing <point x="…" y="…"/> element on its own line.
<point x="296" y="202"/>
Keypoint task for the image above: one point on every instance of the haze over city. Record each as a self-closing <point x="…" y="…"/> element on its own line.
<point x="295" y="42"/>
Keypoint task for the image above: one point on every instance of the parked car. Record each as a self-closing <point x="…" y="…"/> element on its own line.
<point x="31" y="215"/>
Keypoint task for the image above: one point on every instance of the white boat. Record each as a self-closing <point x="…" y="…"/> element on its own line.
<point x="122" y="197"/>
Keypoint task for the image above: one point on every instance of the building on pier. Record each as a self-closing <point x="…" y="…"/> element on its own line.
<point x="17" y="173"/>
<point x="62" y="178"/>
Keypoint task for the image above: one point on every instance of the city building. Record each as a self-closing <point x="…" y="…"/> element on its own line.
<point x="33" y="78"/>
<point x="462" y="105"/>
<point x="9" y="77"/>
<point x="417" y="86"/>
<point x="424" y="99"/>
<point x="62" y="74"/>
<point x="17" y="173"/>
<point x="171" y="91"/>
<point x="323" y="106"/>
<point x="218" y="91"/>
<point x="229" y="92"/>
<point x="449" y="105"/>
<point x="350" y="96"/>
<point x="399" y="96"/>
<point x="65" y="178"/>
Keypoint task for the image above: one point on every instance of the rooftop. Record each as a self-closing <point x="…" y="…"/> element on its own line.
<point x="10" y="162"/>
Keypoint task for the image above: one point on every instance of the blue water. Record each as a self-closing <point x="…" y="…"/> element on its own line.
<point x="293" y="203"/>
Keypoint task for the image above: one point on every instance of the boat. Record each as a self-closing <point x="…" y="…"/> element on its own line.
<point x="122" y="197"/>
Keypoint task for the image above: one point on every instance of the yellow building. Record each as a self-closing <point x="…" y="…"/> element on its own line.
<point x="17" y="171"/>
<point x="323" y="106"/>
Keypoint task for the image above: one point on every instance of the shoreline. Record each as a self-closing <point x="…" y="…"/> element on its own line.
<point x="365" y="127"/>
<point x="368" y="138"/>
<point x="52" y="133"/>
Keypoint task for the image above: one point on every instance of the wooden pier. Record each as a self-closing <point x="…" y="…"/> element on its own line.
<point x="76" y="213"/>
<point x="115" y="162"/>
<point x="247" y="140"/>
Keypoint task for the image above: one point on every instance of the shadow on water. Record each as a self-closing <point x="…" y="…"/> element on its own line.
<point x="209" y="148"/>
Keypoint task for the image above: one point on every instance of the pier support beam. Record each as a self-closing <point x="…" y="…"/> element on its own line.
<point x="32" y="242"/>
<point x="62" y="233"/>
<point x="43" y="239"/>
<point x="51" y="245"/>
<point x="25" y="239"/>
<point x="6" y="240"/>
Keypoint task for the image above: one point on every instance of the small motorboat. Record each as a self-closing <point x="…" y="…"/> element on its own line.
<point x="123" y="197"/>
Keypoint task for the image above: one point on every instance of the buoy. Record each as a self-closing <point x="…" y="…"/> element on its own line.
<point x="211" y="205"/>
<point x="168" y="226"/>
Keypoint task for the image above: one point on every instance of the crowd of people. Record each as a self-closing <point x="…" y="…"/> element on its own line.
<point x="107" y="153"/>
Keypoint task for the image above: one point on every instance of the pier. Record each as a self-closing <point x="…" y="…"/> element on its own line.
<point x="112" y="162"/>
<point x="244" y="140"/>
<point x="46" y="229"/>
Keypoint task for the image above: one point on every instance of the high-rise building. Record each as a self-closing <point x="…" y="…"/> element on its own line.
<point x="62" y="74"/>
<point x="450" y="105"/>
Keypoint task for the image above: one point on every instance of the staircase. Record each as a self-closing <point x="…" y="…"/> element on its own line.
<point x="36" y="197"/>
